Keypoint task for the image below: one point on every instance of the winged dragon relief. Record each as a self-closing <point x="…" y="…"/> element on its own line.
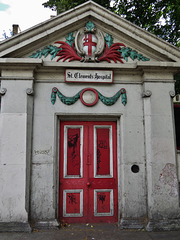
<point x="89" y="45"/>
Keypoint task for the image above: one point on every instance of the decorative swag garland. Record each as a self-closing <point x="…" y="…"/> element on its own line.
<point x="108" y="101"/>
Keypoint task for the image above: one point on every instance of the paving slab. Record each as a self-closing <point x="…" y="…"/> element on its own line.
<point x="173" y="235"/>
<point x="11" y="236"/>
<point x="91" y="232"/>
<point x="41" y="235"/>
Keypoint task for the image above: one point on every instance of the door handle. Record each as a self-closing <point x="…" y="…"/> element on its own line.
<point x="88" y="184"/>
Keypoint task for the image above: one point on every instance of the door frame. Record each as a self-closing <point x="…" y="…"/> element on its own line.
<point x="58" y="117"/>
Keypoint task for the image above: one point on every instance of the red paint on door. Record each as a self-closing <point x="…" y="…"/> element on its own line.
<point x="88" y="172"/>
<point x="103" y="151"/>
<point x="73" y="151"/>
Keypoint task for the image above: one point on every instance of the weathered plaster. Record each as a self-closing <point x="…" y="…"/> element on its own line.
<point x="29" y="123"/>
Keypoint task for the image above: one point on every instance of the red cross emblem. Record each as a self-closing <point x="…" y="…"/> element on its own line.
<point x="90" y="41"/>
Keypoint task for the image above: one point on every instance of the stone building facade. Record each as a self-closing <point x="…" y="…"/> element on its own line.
<point x="86" y="124"/>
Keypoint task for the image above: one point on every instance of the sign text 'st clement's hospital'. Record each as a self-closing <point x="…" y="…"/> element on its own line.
<point x="74" y="75"/>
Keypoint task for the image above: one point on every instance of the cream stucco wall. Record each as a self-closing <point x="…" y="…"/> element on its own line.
<point x="30" y="135"/>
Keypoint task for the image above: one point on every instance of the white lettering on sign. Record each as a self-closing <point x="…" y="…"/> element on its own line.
<point x="103" y="76"/>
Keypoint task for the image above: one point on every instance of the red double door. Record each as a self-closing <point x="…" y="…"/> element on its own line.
<point x="88" y="172"/>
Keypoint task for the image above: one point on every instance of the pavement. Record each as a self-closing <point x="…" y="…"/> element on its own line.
<point x="91" y="232"/>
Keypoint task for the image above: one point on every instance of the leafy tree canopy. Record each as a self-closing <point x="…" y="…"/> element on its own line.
<point x="64" y="5"/>
<point x="161" y="17"/>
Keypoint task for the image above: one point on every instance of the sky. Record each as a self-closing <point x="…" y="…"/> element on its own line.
<point x="25" y="13"/>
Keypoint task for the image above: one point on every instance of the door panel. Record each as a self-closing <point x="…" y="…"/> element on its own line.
<point x="73" y="151"/>
<point x="103" y="151"/>
<point x="88" y="172"/>
<point x="73" y="203"/>
<point x="103" y="202"/>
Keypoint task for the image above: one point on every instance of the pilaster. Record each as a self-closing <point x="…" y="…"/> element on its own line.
<point x="161" y="166"/>
<point x="15" y="143"/>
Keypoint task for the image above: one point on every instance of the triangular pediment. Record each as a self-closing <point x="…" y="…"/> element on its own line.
<point x="47" y="39"/>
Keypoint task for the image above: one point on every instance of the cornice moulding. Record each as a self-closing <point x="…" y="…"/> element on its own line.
<point x="135" y="65"/>
<point x="19" y="64"/>
<point x="39" y="64"/>
<point x="17" y="78"/>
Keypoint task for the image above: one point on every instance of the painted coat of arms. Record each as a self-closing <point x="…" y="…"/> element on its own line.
<point x="89" y="45"/>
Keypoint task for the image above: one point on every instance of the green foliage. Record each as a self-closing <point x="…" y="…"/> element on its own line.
<point x="177" y="84"/>
<point x="177" y="87"/>
<point x="70" y="39"/>
<point x="160" y="17"/>
<point x="52" y="50"/>
<point x="90" y="25"/>
<point x="64" y="99"/>
<point x="108" y="101"/>
<point x="109" y="40"/>
<point x="64" y="5"/>
<point x="128" y="52"/>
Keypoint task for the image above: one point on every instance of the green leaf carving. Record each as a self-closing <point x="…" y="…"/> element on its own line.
<point x="124" y="99"/>
<point x="128" y="52"/>
<point x="112" y="100"/>
<point x="90" y="25"/>
<point x="52" y="50"/>
<point x="108" y="101"/>
<point x="53" y="97"/>
<point x="70" y="39"/>
<point x="64" y="99"/>
<point x="68" y="100"/>
<point x="109" y="40"/>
